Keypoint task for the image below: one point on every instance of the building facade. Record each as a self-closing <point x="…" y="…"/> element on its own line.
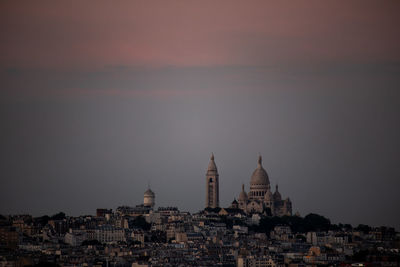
<point x="109" y="234"/>
<point x="260" y="198"/>
<point x="212" y="185"/>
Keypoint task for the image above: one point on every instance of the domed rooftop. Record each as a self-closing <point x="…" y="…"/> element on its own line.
<point x="242" y="195"/>
<point x="268" y="196"/>
<point x="277" y="195"/>
<point x="149" y="193"/>
<point x="259" y="176"/>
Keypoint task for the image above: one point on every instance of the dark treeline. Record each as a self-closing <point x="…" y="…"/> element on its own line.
<point x="310" y="223"/>
<point x="43" y="220"/>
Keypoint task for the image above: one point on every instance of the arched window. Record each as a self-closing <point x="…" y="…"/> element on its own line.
<point x="211" y="180"/>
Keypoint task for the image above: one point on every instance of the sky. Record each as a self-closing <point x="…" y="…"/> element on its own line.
<point x="101" y="99"/>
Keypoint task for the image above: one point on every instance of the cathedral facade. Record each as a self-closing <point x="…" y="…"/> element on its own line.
<point x="260" y="198"/>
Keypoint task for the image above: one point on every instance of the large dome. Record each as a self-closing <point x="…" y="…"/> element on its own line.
<point x="259" y="176"/>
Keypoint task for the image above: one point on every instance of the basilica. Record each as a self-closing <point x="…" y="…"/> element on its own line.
<point x="259" y="200"/>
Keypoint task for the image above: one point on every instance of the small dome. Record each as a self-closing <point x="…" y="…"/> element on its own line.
<point x="268" y="196"/>
<point x="243" y="195"/>
<point x="259" y="176"/>
<point x="149" y="193"/>
<point x="277" y="195"/>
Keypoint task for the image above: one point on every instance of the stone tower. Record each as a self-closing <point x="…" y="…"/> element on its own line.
<point x="149" y="198"/>
<point x="212" y="187"/>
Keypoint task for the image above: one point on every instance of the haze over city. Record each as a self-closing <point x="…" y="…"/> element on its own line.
<point x="100" y="99"/>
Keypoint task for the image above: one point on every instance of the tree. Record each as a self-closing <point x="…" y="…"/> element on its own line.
<point x="348" y="227"/>
<point x="315" y="222"/>
<point x="363" y="228"/>
<point x="302" y="238"/>
<point x="312" y="222"/>
<point x="158" y="236"/>
<point x="140" y="222"/>
<point x="58" y="216"/>
<point x="43" y="220"/>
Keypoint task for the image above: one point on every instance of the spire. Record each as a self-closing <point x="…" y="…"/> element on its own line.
<point x="259" y="161"/>
<point x="212" y="166"/>
<point x="276" y="188"/>
<point x="243" y="187"/>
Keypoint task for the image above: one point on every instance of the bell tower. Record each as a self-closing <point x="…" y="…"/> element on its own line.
<point x="212" y="186"/>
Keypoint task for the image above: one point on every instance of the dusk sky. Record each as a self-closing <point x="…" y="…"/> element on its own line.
<point x="101" y="98"/>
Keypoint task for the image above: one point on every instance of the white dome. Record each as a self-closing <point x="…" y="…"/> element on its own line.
<point x="242" y="195"/>
<point x="149" y="193"/>
<point x="277" y="195"/>
<point x="259" y="176"/>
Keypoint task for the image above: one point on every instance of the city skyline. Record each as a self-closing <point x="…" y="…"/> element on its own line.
<point x="214" y="173"/>
<point x="100" y="99"/>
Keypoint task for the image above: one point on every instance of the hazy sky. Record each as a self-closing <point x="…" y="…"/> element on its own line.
<point x="100" y="98"/>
